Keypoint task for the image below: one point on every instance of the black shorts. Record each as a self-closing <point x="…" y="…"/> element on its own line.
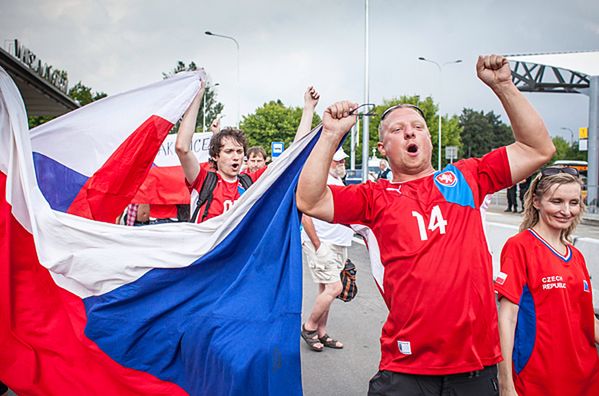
<point x="475" y="383"/>
<point x="3" y="388"/>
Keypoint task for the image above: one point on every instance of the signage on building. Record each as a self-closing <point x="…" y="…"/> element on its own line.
<point x="56" y="77"/>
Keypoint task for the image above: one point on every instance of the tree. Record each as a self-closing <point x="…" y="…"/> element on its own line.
<point x="180" y="68"/>
<point x="451" y="127"/>
<point x="574" y="154"/>
<point x="562" y="149"/>
<point x="482" y="132"/>
<point x="212" y="106"/>
<point x="83" y="94"/>
<point x="273" y="122"/>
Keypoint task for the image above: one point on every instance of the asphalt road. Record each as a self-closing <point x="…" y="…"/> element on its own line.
<point x="358" y="325"/>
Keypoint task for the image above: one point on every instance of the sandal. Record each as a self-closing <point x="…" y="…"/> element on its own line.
<point x="311" y="338"/>
<point x="329" y="342"/>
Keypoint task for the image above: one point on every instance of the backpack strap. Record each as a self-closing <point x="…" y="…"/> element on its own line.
<point x="245" y="180"/>
<point x="205" y="196"/>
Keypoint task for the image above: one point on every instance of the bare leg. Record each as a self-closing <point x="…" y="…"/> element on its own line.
<point x="320" y="312"/>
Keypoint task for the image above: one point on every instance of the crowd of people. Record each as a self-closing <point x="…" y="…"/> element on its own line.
<point x="444" y="333"/>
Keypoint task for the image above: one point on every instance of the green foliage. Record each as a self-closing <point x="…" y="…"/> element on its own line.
<point x="482" y="133"/>
<point x="562" y="148"/>
<point x="84" y="95"/>
<point x="209" y="103"/>
<point x="273" y="122"/>
<point x="450" y="135"/>
<point x="179" y="68"/>
<point x="34" y="121"/>
<point x="212" y="106"/>
<point x="567" y="151"/>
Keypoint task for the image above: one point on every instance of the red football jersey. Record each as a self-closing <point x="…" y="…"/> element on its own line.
<point x="554" y="345"/>
<point x="437" y="280"/>
<point x="224" y="194"/>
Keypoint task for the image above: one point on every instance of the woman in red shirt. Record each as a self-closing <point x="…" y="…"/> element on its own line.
<point x="547" y="326"/>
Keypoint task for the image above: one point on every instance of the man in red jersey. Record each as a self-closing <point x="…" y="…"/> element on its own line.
<point x="227" y="150"/>
<point x="441" y="334"/>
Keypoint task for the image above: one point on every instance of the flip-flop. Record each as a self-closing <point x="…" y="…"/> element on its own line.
<point x="329" y="342"/>
<point x="311" y="339"/>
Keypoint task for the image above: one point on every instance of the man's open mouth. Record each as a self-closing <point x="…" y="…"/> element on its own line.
<point x="412" y="148"/>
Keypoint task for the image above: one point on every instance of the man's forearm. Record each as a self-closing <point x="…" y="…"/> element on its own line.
<point x="312" y="185"/>
<point x="188" y="160"/>
<point x="311" y="231"/>
<point x="528" y="126"/>
<point x="187" y="126"/>
<point x="305" y="125"/>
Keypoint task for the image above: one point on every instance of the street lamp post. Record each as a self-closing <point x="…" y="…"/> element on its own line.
<point x="365" y="119"/>
<point x="440" y="67"/>
<point x="571" y="134"/>
<point x="208" y="33"/>
<point x="204" y="107"/>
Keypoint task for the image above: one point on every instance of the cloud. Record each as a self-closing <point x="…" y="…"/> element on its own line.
<point x="115" y="45"/>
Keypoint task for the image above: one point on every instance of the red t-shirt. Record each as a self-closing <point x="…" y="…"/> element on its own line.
<point x="224" y="194"/>
<point x="554" y="345"/>
<point x="437" y="280"/>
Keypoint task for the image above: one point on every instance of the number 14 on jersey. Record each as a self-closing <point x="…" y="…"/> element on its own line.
<point x="436" y="221"/>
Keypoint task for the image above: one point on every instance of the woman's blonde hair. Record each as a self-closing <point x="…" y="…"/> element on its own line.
<point x="538" y="188"/>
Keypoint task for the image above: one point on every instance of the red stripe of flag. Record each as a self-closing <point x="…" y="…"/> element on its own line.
<point x="44" y="350"/>
<point x="111" y="188"/>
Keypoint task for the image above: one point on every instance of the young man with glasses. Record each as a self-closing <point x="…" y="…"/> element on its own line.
<point x="435" y="268"/>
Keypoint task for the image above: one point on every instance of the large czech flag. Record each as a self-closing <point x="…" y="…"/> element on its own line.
<point x="88" y="307"/>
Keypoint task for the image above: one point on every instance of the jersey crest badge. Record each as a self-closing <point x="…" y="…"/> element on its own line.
<point x="585" y="286"/>
<point x="447" y="178"/>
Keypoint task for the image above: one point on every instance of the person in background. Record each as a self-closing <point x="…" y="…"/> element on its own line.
<point x="512" y="202"/>
<point x="256" y="159"/>
<point x="135" y="215"/>
<point x="385" y="171"/>
<point x="227" y="150"/>
<point x="522" y="189"/>
<point x="324" y="251"/>
<point x="547" y="325"/>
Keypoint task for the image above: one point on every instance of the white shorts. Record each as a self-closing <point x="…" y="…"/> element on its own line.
<point x="326" y="263"/>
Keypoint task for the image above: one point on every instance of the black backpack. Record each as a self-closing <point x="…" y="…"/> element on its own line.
<point x="207" y="189"/>
<point x="348" y="282"/>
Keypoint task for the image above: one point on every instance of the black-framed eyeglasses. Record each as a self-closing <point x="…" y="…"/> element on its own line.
<point x="402" y="106"/>
<point x="554" y="170"/>
<point x="368" y="107"/>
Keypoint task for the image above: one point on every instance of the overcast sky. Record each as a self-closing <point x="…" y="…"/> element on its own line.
<point x="116" y="45"/>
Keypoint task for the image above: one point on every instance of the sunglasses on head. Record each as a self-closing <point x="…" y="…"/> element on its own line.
<point x="402" y="106"/>
<point x="369" y="110"/>
<point x="554" y="170"/>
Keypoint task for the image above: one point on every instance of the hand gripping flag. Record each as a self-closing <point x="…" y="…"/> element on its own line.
<point x="88" y="307"/>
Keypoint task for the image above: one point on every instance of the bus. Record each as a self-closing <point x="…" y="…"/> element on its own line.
<point x="582" y="167"/>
